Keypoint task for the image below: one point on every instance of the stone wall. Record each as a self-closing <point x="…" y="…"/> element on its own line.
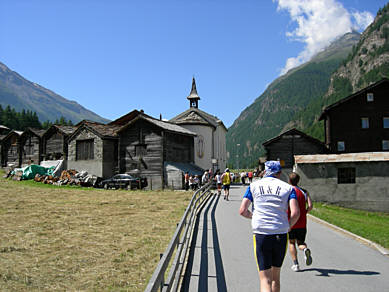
<point x="94" y="166"/>
<point x="369" y="192"/>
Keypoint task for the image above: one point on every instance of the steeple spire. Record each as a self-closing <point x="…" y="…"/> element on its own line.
<point x="193" y="96"/>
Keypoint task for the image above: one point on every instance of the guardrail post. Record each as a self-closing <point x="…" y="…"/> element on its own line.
<point x="163" y="277"/>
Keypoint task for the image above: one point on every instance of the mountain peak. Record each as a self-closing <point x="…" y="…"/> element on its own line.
<point x="340" y="47"/>
<point x="20" y="93"/>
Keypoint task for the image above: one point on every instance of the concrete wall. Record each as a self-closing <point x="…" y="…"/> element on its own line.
<point x="94" y="166"/>
<point x="370" y="191"/>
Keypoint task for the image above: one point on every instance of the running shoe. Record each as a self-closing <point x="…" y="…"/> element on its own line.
<point x="295" y="268"/>
<point x="307" y="256"/>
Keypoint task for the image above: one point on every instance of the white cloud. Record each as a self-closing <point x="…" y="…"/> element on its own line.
<point x="362" y="19"/>
<point x="319" y="22"/>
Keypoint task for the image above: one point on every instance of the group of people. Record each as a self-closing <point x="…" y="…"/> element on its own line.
<point x="279" y="210"/>
<point x="193" y="182"/>
<point x="246" y="175"/>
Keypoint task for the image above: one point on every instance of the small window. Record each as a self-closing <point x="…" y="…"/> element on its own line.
<point x="141" y="150"/>
<point x="385" y="144"/>
<point x="85" y="149"/>
<point x="370" y="97"/>
<point x="346" y="175"/>
<point x="386" y="122"/>
<point x="341" y="146"/>
<point x="365" y="123"/>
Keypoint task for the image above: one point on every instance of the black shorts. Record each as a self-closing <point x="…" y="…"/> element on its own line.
<point x="270" y="250"/>
<point x="298" y="234"/>
<point x="226" y="187"/>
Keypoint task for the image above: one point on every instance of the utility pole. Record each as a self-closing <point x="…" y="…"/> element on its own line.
<point x="237" y="155"/>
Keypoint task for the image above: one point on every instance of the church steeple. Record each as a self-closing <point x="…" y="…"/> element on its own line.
<point x="193" y="96"/>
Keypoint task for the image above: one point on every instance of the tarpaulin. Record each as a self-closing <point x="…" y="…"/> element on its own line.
<point x="30" y="171"/>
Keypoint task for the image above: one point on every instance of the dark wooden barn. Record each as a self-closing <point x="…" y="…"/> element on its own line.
<point x="3" y="133"/>
<point x="31" y="146"/>
<point x="125" y="119"/>
<point x="4" y="130"/>
<point x="55" y="144"/>
<point x="146" y="144"/>
<point x="93" y="147"/>
<point x="290" y="143"/>
<point x="359" y="122"/>
<point x="10" y="149"/>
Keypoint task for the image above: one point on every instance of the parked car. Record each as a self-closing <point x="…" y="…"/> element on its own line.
<point x="126" y="181"/>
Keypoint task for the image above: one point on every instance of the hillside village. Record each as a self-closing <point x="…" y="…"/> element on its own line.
<point x="347" y="168"/>
<point x="136" y="143"/>
<point x="287" y="193"/>
<point x="329" y="120"/>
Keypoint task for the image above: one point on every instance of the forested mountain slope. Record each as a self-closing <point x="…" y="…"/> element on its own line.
<point x="277" y="108"/>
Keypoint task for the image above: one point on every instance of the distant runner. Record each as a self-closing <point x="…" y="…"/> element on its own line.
<point x="226" y="180"/>
<point x="299" y="230"/>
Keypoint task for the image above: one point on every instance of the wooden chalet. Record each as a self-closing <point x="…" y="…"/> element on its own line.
<point x="93" y="148"/>
<point x="4" y="130"/>
<point x="290" y="143"/>
<point x="147" y="144"/>
<point x="359" y="122"/>
<point x="30" y="143"/>
<point x="10" y="149"/>
<point x="125" y="119"/>
<point x="55" y="144"/>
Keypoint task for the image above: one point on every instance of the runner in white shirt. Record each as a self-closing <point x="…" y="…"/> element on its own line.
<point x="271" y="198"/>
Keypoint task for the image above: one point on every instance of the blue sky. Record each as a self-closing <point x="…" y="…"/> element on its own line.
<point x="118" y="55"/>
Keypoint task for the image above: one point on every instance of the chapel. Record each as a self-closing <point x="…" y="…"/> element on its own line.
<point x="210" y="142"/>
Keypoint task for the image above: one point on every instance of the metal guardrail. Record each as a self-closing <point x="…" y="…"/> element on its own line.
<point x="180" y="242"/>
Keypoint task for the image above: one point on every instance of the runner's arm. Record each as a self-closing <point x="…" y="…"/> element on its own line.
<point x="309" y="202"/>
<point x="244" y="209"/>
<point x="294" y="212"/>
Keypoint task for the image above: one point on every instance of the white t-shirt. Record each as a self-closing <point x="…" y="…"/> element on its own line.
<point x="270" y="197"/>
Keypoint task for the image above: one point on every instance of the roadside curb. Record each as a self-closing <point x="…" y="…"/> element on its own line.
<point x="365" y="241"/>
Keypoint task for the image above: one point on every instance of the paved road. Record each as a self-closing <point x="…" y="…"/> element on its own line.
<point x="222" y="256"/>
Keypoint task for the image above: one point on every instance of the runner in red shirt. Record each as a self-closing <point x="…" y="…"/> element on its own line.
<point x="299" y="231"/>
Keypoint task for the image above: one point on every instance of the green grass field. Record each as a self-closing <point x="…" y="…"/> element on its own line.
<point x="80" y="239"/>
<point x="370" y="225"/>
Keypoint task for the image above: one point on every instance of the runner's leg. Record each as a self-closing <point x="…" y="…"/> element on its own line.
<point x="275" y="285"/>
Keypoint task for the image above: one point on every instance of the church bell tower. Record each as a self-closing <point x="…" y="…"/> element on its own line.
<point x="193" y="96"/>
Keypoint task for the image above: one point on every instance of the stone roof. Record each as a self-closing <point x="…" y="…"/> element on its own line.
<point x="38" y="132"/>
<point x="68" y="130"/>
<point x="127" y="118"/>
<point x="168" y="126"/>
<point x="13" y="132"/>
<point x="102" y="130"/>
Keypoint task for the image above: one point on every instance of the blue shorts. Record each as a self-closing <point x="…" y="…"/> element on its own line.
<point x="270" y="250"/>
<point x="226" y="187"/>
